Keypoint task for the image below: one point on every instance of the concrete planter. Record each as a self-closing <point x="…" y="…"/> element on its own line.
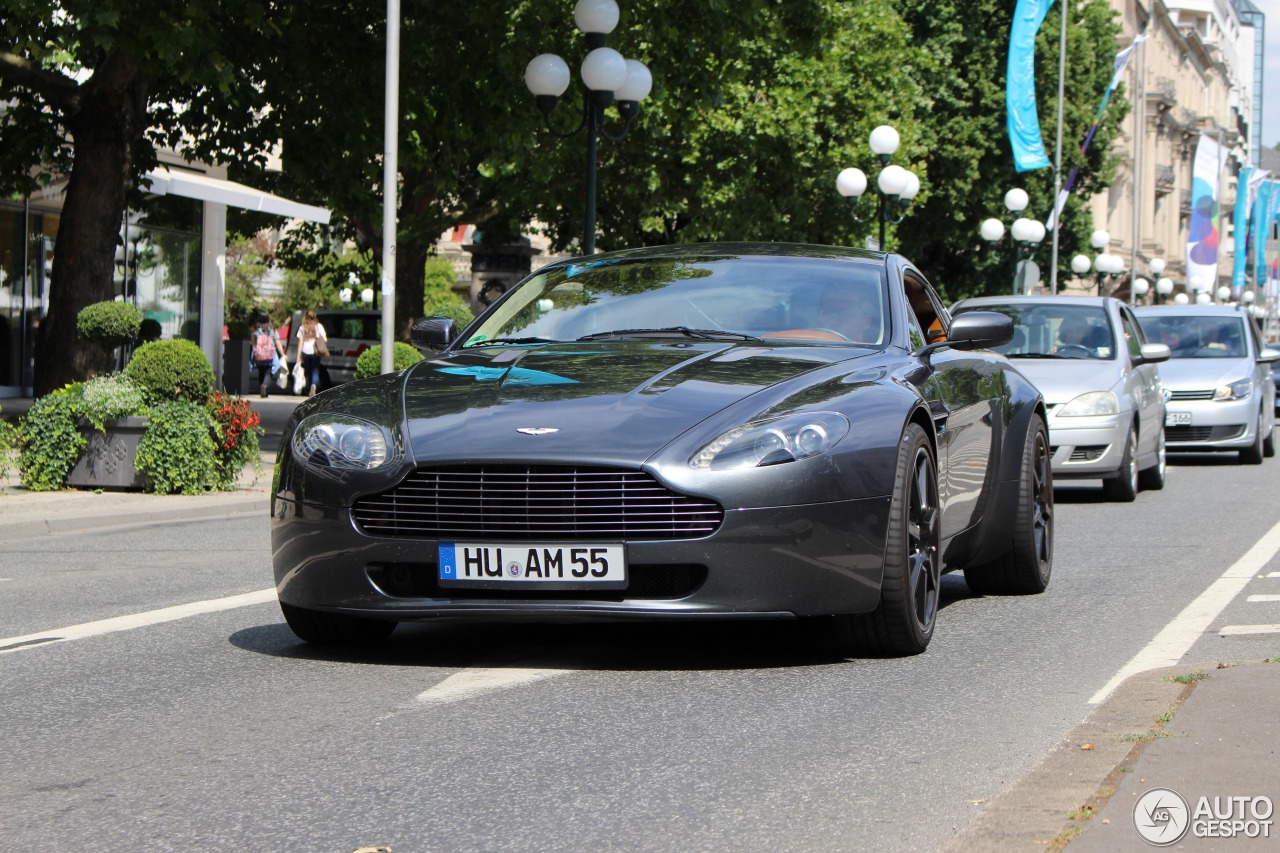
<point x="107" y="460"/>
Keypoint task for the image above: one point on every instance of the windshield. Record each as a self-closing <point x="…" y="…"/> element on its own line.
<point x="1197" y="337"/>
<point x="1055" y="331"/>
<point x="719" y="298"/>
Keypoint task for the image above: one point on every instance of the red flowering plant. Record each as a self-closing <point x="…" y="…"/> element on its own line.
<point x="236" y="427"/>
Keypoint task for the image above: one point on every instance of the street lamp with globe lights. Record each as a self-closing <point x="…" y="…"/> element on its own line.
<point x="1164" y="287"/>
<point x="896" y="187"/>
<point x="1140" y="288"/>
<point x="608" y="79"/>
<point x="1026" y="233"/>
<point x="1224" y="294"/>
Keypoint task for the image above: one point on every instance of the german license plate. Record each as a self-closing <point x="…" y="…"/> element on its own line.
<point x="530" y="565"/>
<point x="1177" y="419"/>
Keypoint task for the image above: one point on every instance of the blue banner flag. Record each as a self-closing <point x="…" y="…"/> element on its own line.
<point x="1020" y="86"/>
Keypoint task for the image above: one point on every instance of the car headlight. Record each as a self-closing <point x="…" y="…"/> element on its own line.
<point x="772" y="442"/>
<point x="1234" y="391"/>
<point x="340" y="441"/>
<point x="1091" y="405"/>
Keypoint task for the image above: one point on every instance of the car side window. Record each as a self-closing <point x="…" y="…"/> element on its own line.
<point x="926" y="308"/>
<point x="1132" y="333"/>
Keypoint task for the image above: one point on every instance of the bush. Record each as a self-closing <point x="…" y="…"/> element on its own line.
<point x="109" y="398"/>
<point x="8" y="441"/>
<point x="177" y="453"/>
<point x="370" y="361"/>
<point x="236" y="428"/>
<point x="111" y="324"/>
<point x="171" y="370"/>
<point x="49" y="440"/>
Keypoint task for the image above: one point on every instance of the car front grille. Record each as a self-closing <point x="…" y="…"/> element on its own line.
<point x="1203" y="433"/>
<point x="1088" y="452"/>
<point x="553" y="502"/>
<point x="1191" y="395"/>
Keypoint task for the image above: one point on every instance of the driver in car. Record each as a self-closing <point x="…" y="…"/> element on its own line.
<point x="851" y="312"/>
<point x="1073" y="336"/>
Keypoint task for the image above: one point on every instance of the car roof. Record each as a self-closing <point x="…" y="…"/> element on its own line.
<point x="723" y="249"/>
<point x="1195" y="310"/>
<point x="1036" y="300"/>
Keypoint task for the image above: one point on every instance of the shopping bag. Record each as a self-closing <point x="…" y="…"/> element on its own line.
<point x="299" y="378"/>
<point x="282" y="374"/>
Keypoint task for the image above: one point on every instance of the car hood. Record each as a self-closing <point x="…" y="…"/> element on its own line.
<point x="1202" y="374"/>
<point x="596" y="401"/>
<point x="1062" y="380"/>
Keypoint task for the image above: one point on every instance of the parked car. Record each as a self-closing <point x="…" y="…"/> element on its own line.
<point x="1221" y="391"/>
<point x="693" y="431"/>
<point x="349" y="331"/>
<point x="1098" y="375"/>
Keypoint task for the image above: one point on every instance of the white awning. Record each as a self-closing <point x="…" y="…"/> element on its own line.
<point x="165" y="181"/>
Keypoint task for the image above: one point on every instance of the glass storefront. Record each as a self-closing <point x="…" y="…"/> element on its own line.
<point x="26" y="255"/>
<point x="157" y="268"/>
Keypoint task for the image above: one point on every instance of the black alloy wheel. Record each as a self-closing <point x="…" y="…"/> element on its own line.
<point x="1028" y="564"/>
<point x="910" y="593"/>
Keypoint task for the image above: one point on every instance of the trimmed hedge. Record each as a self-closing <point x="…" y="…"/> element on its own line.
<point x="171" y="370"/>
<point x="110" y="324"/>
<point x="370" y="361"/>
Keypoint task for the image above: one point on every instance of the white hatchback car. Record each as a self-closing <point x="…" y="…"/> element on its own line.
<point x="1098" y="375"/>
<point x="1221" y="393"/>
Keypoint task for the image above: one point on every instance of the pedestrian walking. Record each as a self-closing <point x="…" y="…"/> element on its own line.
<point x="312" y="346"/>
<point x="266" y="349"/>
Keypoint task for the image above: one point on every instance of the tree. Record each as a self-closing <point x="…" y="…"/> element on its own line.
<point x="969" y="163"/>
<point x="93" y="87"/>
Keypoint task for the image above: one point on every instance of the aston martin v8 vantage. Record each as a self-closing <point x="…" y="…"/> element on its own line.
<point x="715" y="431"/>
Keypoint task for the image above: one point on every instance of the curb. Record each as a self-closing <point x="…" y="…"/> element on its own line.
<point x="1033" y="813"/>
<point x="58" y="522"/>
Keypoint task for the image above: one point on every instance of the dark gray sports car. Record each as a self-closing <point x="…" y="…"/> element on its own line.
<point x="696" y="431"/>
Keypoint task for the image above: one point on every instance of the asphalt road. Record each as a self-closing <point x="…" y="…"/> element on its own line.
<point x="220" y="731"/>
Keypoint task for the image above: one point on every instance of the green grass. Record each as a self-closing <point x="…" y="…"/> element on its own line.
<point x="1188" y="678"/>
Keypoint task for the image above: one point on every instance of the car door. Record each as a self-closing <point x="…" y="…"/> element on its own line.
<point x="1142" y="384"/>
<point x="964" y="392"/>
<point x="1263" y="378"/>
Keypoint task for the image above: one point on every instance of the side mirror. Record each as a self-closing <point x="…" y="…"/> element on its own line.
<point x="1268" y="355"/>
<point x="433" y="333"/>
<point x="980" y="330"/>
<point x="1156" y="353"/>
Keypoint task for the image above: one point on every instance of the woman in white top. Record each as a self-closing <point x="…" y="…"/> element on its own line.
<point x="310" y="331"/>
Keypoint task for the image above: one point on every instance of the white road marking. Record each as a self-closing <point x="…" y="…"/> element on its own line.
<point x="1178" y="636"/>
<point x="1262" y="598"/>
<point x="1230" y="630"/>
<point x="504" y="672"/>
<point x="1273" y="574"/>
<point x="135" y="620"/>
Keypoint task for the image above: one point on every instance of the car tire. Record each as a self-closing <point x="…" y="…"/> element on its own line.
<point x="335" y="629"/>
<point x="1253" y="454"/>
<point x="1269" y="444"/>
<point x="1025" y="569"/>
<point x="1123" y="488"/>
<point x="910" y="592"/>
<point x="1152" y="479"/>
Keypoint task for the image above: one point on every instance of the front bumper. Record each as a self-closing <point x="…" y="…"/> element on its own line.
<point x="1214" y="426"/>
<point x="1089" y="447"/>
<point x="778" y="562"/>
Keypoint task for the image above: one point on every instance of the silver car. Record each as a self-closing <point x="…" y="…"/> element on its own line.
<point x="1096" y="370"/>
<point x="1221" y="393"/>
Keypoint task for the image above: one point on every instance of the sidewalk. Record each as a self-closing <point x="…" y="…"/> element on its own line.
<point x="1216" y="737"/>
<point x="26" y="515"/>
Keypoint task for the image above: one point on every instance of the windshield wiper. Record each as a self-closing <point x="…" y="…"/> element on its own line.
<point x="496" y="341"/>
<point x="705" y="334"/>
